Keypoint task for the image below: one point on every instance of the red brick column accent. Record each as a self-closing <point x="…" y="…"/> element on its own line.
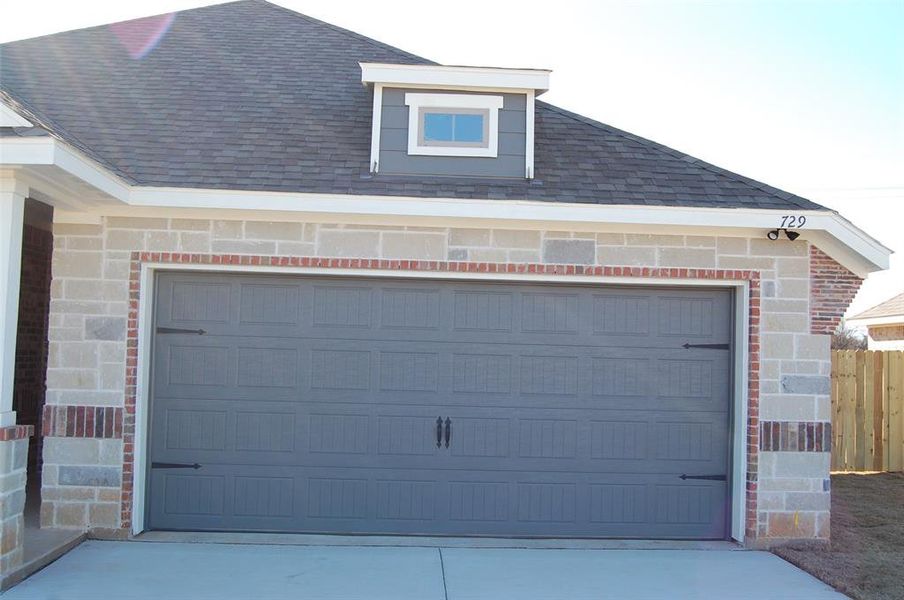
<point x="427" y="267"/>
<point x="82" y="421"/>
<point x="832" y="288"/>
<point x="16" y="432"/>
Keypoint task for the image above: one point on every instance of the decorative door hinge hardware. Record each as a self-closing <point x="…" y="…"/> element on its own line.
<point x="439" y="432"/>
<point x="707" y="477"/>
<point x="165" y="465"/>
<point x="448" y="431"/>
<point x="710" y="346"/>
<point x="177" y="330"/>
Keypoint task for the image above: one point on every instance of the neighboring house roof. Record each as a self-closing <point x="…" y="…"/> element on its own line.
<point x="893" y="307"/>
<point x="252" y="96"/>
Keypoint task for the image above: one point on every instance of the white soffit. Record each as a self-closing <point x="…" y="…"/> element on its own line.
<point x="437" y="76"/>
<point x="10" y="118"/>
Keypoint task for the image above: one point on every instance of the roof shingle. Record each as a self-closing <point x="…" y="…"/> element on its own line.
<point x="251" y="96"/>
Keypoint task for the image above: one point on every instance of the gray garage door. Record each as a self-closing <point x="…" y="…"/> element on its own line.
<point x="289" y="403"/>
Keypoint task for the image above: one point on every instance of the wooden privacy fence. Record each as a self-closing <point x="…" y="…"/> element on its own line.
<point x="867" y="410"/>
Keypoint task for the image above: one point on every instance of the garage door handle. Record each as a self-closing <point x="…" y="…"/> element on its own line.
<point x="448" y="431"/>
<point x="178" y="330"/>
<point x="162" y="465"/>
<point x="708" y="477"/>
<point x="439" y="432"/>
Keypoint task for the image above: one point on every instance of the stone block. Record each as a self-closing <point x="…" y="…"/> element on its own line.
<point x="404" y="244"/>
<point x="105" y="328"/>
<point x="780" y="247"/>
<point x="610" y="239"/>
<point x="813" y="465"/>
<point x="76" y="354"/>
<point x="227" y="230"/>
<point x="732" y="245"/>
<point x="793" y="288"/>
<point x="296" y="248"/>
<point x="273" y="230"/>
<point x="469" y="237"/>
<point x="458" y="254"/>
<point x="793" y="267"/>
<point x="71" y="515"/>
<point x="757" y="263"/>
<point x="90" y="476"/>
<point x="786" y="322"/>
<point x="61" y="229"/>
<point x="577" y="252"/>
<point x="110" y="452"/>
<point x="194" y="241"/>
<point x="12" y="504"/>
<point x="117" y="269"/>
<point x="162" y="241"/>
<point x="806" y="384"/>
<point x="652" y="239"/>
<point x="243" y="247"/>
<point x="72" y="379"/>
<point x="623" y="256"/>
<point x="104" y="515"/>
<point x="86" y="265"/>
<point x="349" y="243"/>
<point x="136" y="223"/>
<point x="85" y="243"/>
<point x="505" y="238"/>
<point x="783" y="407"/>
<point x="700" y="241"/>
<point x="807" y="500"/>
<point x="687" y="257"/>
<point x="124" y="239"/>
<point x="523" y="256"/>
<point x="791" y="525"/>
<point x="190" y="224"/>
<point x="812" y="346"/>
<point x="497" y="255"/>
<point x="71" y="451"/>
<point x="112" y="376"/>
<point x="777" y="345"/>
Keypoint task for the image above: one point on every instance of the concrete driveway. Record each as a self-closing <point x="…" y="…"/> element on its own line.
<point x="125" y="570"/>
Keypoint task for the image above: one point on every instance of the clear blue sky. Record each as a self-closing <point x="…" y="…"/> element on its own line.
<point x="804" y="95"/>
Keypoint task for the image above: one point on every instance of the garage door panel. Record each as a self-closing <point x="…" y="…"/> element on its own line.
<point x="311" y="404"/>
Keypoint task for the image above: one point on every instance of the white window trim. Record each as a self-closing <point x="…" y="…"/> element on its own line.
<point x="416" y="102"/>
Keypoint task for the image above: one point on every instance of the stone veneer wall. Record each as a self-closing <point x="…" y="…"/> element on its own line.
<point x="788" y="489"/>
<point x="13" y="462"/>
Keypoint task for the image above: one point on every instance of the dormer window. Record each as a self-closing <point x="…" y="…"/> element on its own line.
<point x="434" y="120"/>
<point x="453" y="124"/>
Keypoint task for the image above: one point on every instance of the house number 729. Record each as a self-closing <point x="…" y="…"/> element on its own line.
<point x="793" y="221"/>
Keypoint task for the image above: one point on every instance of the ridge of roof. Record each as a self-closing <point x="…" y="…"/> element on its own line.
<point x="342" y="30"/>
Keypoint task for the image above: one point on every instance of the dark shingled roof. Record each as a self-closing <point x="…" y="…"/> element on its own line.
<point x="249" y="95"/>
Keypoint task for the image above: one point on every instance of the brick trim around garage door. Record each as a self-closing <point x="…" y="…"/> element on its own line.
<point x="427" y="267"/>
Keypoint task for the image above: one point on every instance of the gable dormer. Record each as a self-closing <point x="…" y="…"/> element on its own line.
<point x="453" y="121"/>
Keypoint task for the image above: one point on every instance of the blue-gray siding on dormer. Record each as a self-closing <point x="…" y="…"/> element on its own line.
<point x="394" y="158"/>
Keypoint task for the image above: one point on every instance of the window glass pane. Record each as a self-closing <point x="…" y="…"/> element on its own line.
<point x="468" y="128"/>
<point x="438" y="127"/>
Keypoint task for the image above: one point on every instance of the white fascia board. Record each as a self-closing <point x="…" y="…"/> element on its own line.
<point x="455" y="77"/>
<point x="48" y="151"/>
<point x="844" y="242"/>
<point x="876" y="321"/>
<point x="10" y="118"/>
<point x="833" y="234"/>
